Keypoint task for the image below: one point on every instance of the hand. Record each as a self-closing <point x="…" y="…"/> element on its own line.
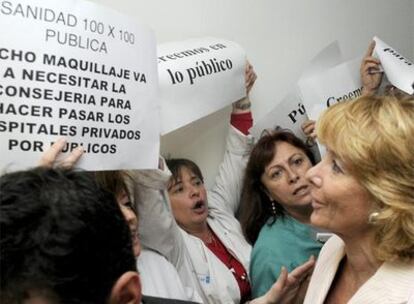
<point x="243" y="105"/>
<point x="249" y="76"/>
<point x="287" y="285"/>
<point x="308" y="127"/>
<point x="49" y="158"/>
<point x="371" y="73"/>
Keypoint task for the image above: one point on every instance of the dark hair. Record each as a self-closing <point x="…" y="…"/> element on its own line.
<point x="176" y="164"/>
<point x="112" y="181"/>
<point x="62" y="233"/>
<point x="255" y="206"/>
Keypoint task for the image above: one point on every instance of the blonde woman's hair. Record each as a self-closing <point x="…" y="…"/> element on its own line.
<point x="374" y="137"/>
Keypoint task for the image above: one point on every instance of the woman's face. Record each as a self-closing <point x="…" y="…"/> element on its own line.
<point x="130" y="216"/>
<point x="340" y="204"/>
<point x="284" y="177"/>
<point x="188" y="200"/>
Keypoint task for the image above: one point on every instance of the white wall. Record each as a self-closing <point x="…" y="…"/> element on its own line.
<point x="280" y="37"/>
<point x="412" y="29"/>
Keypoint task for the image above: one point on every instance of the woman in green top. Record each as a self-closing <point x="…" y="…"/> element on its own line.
<point x="276" y="206"/>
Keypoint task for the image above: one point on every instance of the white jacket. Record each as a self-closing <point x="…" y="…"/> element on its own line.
<point x="159" y="278"/>
<point x="197" y="265"/>
<point x="391" y="284"/>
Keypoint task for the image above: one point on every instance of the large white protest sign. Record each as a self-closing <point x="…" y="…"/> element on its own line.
<point x="77" y="70"/>
<point x="336" y="84"/>
<point x="198" y="77"/>
<point x="399" y="69"/>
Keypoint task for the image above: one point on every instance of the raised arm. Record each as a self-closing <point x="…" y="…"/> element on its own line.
<point x="243" y="105"/>
<point x="157" y="226"/>
<point x="225" y="194"/>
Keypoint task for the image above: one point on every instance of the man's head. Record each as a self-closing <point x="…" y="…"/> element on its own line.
<point x="64" y="240"/>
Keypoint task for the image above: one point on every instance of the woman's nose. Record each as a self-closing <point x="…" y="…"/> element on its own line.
<point x="194" y="191"/>
<point x="130" y="217"/>
<point x="313" y="177"/>
<point x="293" y="176"/>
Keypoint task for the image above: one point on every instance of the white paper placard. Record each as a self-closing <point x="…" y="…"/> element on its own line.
<point x="341" y="82"/>
<point x="290" y="114"/>
<point x="336" y="84"/>
<point x="399" y="69"/>
<point x="78" y="70"/>
<point x="329" y="57"/>
<point x="198" y="77"/>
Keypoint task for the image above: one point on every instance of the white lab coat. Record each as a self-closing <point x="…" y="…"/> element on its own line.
<point x="197" y="266"/>
<point x="159" y="278"/>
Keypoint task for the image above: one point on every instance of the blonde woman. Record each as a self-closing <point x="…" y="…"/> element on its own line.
<point x="363" y="191"/>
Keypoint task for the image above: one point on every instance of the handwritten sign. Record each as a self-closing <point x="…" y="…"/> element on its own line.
<point x="81" y="71"/>
<point x="198" y="77"/>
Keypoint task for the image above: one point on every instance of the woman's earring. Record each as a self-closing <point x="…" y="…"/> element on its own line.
<point x="373" y="218"/>
<point x="273" y="207"/>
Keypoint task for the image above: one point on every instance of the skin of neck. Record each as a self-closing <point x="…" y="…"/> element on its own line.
<point x="200" y="230"/>
<point x="301" y="214"/>
<point x="360" y="262"/>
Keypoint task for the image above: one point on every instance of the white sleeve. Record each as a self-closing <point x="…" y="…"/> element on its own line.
<point x="159" y="278"/>
<point x="157" y="226"/>
<point x="225" y="194"/>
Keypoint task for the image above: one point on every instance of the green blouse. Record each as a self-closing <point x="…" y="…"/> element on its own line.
<point x="286" y="242"/>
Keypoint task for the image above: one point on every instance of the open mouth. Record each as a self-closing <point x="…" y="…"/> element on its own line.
<point x="301" y="190"/>
<point x="198" y="205"/>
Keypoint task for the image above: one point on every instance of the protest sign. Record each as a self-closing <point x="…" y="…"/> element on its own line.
<point x="198" y="77"/>
<point x="77" y="70"/>
<point x="339" y="83"/>
<point x="288" y="114"/>
<point x="336" y="84"/>
<point x="398" y="69"/>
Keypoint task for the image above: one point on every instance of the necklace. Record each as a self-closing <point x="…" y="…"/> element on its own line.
<point x="211" y="239"/>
